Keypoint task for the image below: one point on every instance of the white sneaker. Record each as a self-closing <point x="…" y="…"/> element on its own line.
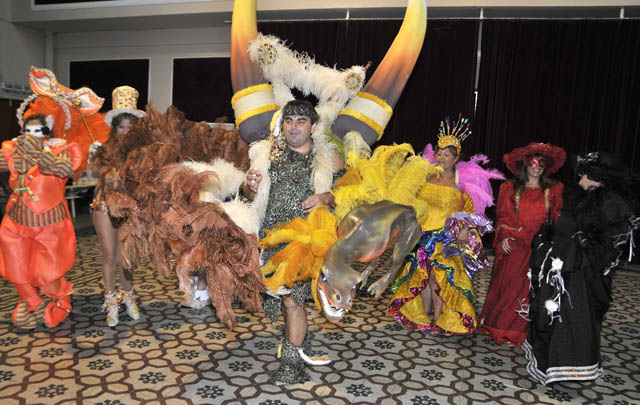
<point x="201" y="299"/>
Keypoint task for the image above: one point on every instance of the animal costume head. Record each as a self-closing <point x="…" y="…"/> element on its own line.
<point x="363" y="235"/>
<point x="263" y="70"/>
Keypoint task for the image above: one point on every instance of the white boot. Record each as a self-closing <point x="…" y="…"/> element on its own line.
<point x="189" y="299"/>
<point x="130" y="302"/>
<point x="111" y="301"/>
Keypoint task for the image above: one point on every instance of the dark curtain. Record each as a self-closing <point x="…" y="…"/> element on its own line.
<point x="102" y="76"/>
<point x="573" y="83"/>
<point x="202" y="88"/>
<point x="569" y="82"/>
<point x="441" y="83"/>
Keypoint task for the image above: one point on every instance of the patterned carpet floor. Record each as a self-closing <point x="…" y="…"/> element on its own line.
<point x="176" y="355"/>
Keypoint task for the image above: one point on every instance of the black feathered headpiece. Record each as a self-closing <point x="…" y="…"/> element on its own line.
<point x="607" y="169"/>
<point x="600" y="166"/>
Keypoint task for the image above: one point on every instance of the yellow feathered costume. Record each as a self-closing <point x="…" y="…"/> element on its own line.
<point x="392" y="173"/>
<point x="308" y="240"/>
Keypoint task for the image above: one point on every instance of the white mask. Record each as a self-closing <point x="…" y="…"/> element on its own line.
<point x="35" y="130"/>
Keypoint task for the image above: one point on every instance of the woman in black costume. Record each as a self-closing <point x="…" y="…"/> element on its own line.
<point x="571" y="269"/>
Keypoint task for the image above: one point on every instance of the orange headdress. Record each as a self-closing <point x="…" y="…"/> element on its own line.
<point x="73" y="111"/>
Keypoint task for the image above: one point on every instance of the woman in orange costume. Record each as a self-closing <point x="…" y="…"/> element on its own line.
<point x="37" y="240"/>
<point x="524" y="204"/>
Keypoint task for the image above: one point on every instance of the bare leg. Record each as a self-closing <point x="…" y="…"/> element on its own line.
<point x="295" y="320"/>
<point x="436" y="301"/>
<point x="296" y="325"/>
<point x="108" y="237"/>
<point x="426" y="300"/>
<point x="202" y="281"/>
<point x="126" y="274"/>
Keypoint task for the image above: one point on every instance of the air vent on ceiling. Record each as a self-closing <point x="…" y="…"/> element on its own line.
<point x="14" y="91"/>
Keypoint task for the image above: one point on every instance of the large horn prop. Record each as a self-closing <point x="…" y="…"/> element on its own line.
<point x="253" y="101"/>
<point x="370" y="111"/>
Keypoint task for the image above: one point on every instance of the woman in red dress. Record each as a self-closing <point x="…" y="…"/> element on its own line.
<point x="524" y="203"/>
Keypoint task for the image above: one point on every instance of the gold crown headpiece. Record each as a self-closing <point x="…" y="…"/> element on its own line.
<point x="453" y="135"/>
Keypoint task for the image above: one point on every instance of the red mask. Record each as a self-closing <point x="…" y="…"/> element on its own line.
<point x="537" y="162"/>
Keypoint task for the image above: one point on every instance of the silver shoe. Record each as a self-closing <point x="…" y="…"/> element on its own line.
<point x="130" y="303"/>
<point x="111" y="301"/>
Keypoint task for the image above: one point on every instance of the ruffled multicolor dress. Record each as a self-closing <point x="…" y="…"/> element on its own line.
<point x="439" y="255"/>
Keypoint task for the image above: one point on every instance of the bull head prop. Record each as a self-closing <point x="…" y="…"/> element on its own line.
<point x="263" y="70"/>
<point x="363" y="235"/>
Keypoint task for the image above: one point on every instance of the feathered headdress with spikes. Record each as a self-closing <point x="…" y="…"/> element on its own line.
<point x="453" y="135"/>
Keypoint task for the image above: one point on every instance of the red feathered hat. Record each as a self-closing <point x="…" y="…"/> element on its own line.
<point x="555" y="154"/>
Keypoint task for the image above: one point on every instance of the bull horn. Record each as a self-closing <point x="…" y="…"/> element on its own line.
<point x="253" y="101"/>
<point x="370" y="111"/>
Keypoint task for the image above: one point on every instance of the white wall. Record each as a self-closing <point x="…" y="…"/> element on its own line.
<point x="4" y="10"/>
<point x="159" y="46"/>
<point x="19" y="49"/>
<point x="22" y="8"/>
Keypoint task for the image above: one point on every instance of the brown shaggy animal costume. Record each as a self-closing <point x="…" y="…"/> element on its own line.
<point x="156" y="199"/>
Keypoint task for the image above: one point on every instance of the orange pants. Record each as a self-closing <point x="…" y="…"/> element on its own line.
<point x="37" y="256"/>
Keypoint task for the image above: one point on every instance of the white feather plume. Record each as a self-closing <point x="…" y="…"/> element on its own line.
<point x="286" y="69"/>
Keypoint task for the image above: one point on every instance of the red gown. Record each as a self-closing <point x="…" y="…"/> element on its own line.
<point x="505" y="312"/>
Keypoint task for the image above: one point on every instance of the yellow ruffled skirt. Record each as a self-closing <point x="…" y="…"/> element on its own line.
<point x="455" y="290"/>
